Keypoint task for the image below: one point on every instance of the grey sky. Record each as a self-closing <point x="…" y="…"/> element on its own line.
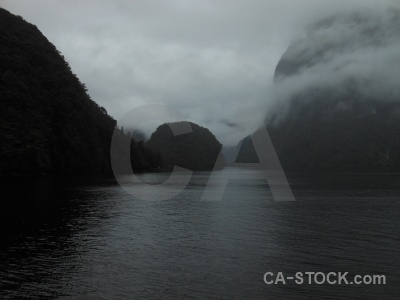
<point x="206" y="58"/>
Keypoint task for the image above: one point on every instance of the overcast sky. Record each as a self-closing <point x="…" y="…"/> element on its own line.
<point x="205" y="58"/>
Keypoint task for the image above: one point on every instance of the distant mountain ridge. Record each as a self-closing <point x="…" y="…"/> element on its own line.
<point x="196" y="151"/>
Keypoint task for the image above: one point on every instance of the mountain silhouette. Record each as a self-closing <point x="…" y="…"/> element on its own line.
<point x="48" y="122"/>
<point x="196" y="150"/>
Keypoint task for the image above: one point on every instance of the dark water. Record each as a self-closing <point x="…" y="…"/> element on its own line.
<point x="92" y="240"/>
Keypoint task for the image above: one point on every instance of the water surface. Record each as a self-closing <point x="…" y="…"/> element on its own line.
<point x="90" y="239"/>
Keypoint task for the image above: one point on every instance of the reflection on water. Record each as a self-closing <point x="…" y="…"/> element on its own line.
<point x="91" y="239"/>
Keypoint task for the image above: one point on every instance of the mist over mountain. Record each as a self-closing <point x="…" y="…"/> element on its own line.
<point x="138" y="135"/>
<point x="197" y="150"/>
<point x="337" y="92"/>
<point x="358" y="50"/>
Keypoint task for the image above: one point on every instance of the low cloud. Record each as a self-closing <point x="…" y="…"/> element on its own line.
<point x="361" y="49"/>
<point x="208" y="59"/>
